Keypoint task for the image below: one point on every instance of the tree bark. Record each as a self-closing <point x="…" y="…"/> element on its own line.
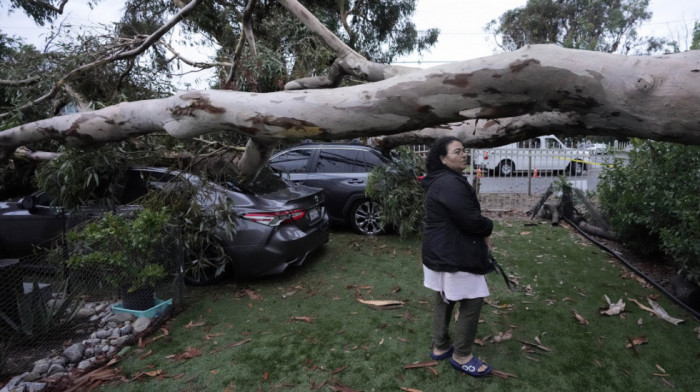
<point x="518" y="94"/>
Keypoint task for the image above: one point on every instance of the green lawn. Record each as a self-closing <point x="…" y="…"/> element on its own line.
<point x="306" y="330"/>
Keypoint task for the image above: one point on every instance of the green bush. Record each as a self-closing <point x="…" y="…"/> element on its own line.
<point x="397" y="190"/>
<point x="131" y="248"/>
<point x="653" y="202"/>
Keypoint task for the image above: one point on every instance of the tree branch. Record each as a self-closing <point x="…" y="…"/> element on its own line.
<point x="192" y="63"/>
<point x="49" y="6"/>
<point x="25" y="82"/>
<point x="349" y="62"/>
<point x="145" y="44"/>
<point x="246" y="35"/>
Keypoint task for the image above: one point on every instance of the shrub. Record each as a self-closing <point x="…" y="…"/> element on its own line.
<point x="397" y="190"/>
<point x="129" y="247"/>
<point x="653" y="202"/>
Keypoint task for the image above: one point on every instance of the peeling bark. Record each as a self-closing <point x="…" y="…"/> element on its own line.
<point x="514" y="95"/>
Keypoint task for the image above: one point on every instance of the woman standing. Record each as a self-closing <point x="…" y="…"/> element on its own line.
<point x="455" y="255"/>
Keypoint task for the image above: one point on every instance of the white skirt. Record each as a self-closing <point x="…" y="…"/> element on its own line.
<point x="455" y="286"/>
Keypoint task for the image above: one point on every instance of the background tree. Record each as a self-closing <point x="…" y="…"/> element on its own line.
<point x="602" y="25"/>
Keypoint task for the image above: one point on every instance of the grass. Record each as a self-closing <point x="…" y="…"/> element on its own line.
<point x="305" y="330"/>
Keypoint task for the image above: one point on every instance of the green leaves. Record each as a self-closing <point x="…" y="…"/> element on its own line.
<point x="653" y="202"/>
<point x="396" y="188"/>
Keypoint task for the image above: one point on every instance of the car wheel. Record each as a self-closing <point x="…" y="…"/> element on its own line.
<point x="205" y="270"/>
<point x="575" y="169"/>
<point x="505" y="169"/>
<point x="364" y="217"/>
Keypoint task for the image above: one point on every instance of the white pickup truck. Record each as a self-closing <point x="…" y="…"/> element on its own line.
<point x="541" y="154"/>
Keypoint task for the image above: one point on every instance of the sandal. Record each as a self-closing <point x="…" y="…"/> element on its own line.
<point x="471" y="367"/>
<point x="442" y="356"/>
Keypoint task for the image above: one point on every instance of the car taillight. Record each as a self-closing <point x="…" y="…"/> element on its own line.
<point x="275" y="218"/>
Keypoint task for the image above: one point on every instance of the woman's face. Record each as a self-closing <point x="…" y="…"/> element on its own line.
<point x="456" y="158"/>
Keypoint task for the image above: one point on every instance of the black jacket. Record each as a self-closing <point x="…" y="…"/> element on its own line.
<point x="455" y="231"/>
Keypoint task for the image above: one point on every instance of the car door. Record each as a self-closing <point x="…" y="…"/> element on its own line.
<point x="341" y="173"/>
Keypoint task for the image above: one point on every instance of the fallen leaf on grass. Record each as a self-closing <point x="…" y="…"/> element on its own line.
<point x="668" y="383"/>
<point x="191" y="352"/>
<point x="410" y="389"/>
<point x="580" y="318"/>
<point x="660" y="368"/>
<point x="213" y="335"/>
<point x="214" y="371"/>
<point x="503" y="375"/>
<point x="305" y="319"/>
<point x="540" y="346"/>
<point x="192" y="324"/>
<point x="382" y="305"/>
<point x="637" y="341"/>
<point x="338" y="370"/>
<point x="661" y="313"/>
<point x="615" y="308"/>
<point x="251" y="294"/>
<point x="503" y="336"/>
<point x="421" y="365"/>
<point x="657" y="310"/>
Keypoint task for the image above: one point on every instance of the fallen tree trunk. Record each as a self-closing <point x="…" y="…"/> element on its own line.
<point x="519" y="94"/>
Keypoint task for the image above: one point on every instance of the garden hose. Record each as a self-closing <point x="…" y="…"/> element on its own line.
<point x="694" y="312"/>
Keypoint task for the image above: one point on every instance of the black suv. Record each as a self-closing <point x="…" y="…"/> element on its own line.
<point x="341" y="171"/>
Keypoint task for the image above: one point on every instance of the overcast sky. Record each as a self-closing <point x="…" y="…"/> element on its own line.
<point x="462" y="36"/>
<point x="461" y="23"/>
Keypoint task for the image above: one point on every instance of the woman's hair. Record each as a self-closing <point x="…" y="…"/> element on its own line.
<point x="438" y="149"/>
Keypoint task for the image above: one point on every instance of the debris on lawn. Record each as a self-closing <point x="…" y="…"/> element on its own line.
<point x="657" y="310"/>
<point x="381" y="304"/>
<point x="193" y="324"/>
<point x="536" y="345"/>
<point x="191" y="352"/>
<point x="305" y="319"/>
<point x="421" y="365"/>
<point x="503" y="336"/>
<point x="580" y="318"/>
<point x="615" y="308"/>
<point x="503" y="375"/>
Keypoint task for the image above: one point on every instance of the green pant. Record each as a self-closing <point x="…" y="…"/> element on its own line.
<point x="467" y="324"/>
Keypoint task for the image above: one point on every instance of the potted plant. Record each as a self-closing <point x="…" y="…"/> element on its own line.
<point x="128" y="249"/>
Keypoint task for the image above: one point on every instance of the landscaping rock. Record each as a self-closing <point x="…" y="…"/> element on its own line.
<point x="75" y="352"/>
<point x="115" y="331"/>
<point x="141" y="324"/>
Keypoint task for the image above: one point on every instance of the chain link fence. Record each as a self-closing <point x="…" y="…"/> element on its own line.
<point x="46" y="305"/>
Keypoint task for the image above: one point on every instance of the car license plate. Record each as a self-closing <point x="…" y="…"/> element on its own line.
<point x="314" y="214"/>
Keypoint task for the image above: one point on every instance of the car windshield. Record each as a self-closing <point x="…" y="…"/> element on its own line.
<point x="266" y="182"/>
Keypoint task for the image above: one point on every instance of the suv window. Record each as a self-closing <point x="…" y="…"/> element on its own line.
<point x="338" y="161"/>
<point x="372" y="160"/>
<point x="294" y="161"/>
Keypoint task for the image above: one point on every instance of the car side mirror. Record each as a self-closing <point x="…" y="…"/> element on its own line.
<point x="28" y="203"/>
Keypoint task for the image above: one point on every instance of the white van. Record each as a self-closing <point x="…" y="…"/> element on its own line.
<point x="541" y="154"/>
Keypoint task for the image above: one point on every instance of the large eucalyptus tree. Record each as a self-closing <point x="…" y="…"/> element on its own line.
<point x="534" y="90"/>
